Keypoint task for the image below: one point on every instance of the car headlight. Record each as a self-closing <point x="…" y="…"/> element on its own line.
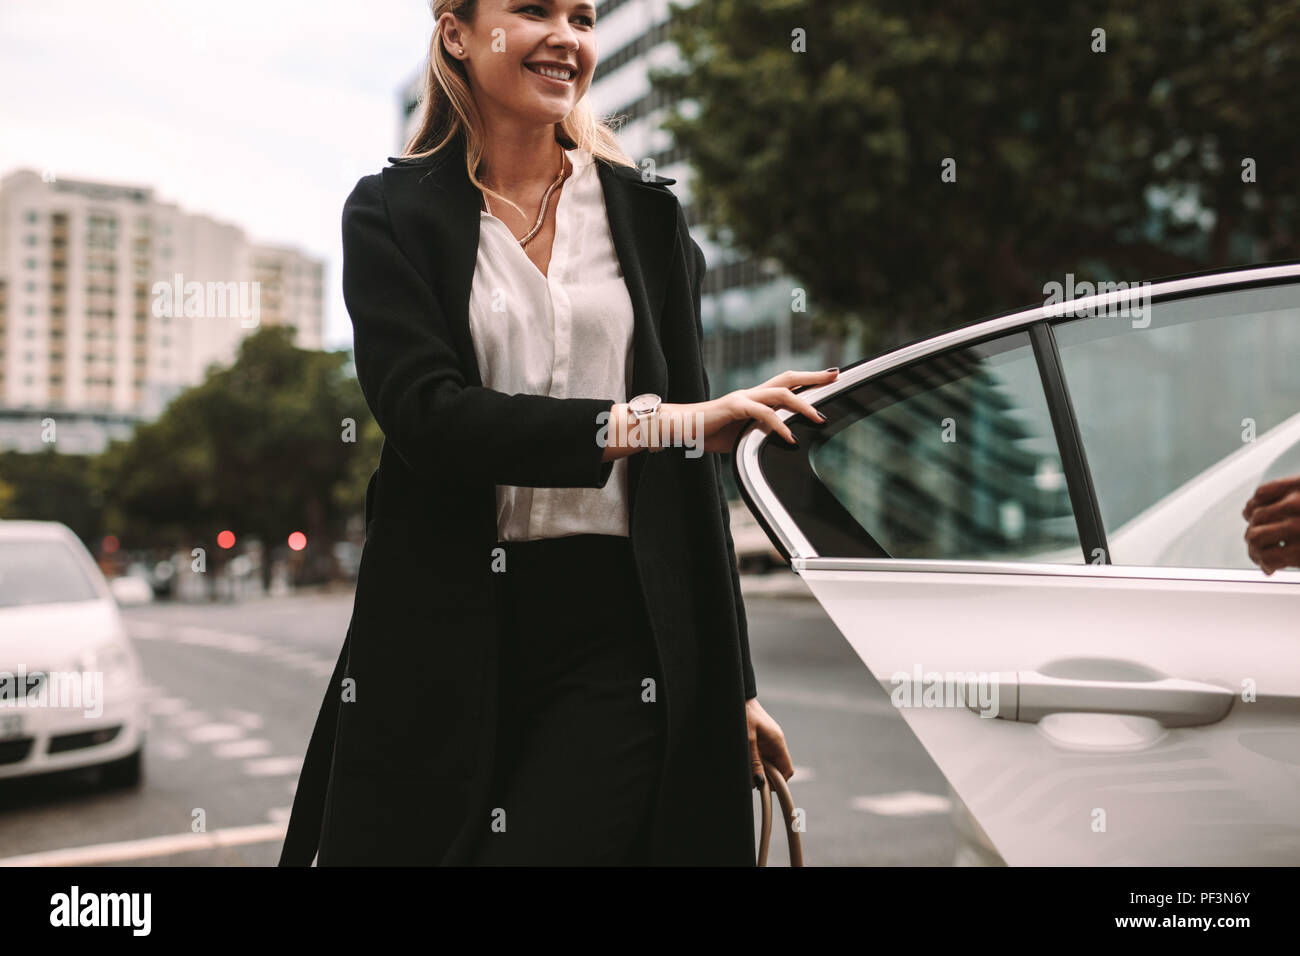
<point x="111" y="660"/>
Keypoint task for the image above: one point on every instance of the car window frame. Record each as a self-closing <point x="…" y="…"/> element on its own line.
<point x="750" y="468"/>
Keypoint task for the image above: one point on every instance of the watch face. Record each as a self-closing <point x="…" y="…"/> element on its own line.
<point x="644" y="403"/>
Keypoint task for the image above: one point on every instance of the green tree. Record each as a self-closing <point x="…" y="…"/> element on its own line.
<point x="50" y="486"/>
<point x="259" y="448"/>
<point x="1125" y="164"/>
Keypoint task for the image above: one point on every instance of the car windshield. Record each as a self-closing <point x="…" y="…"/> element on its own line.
<point x="41" y="572"/>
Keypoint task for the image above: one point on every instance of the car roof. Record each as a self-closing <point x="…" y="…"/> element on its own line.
<point x="33" y="530"/>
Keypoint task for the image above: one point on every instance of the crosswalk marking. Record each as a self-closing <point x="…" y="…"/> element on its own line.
<point x="213" y="733"/>
<point x="273" y="766"/>
<point x="239" y="749"/>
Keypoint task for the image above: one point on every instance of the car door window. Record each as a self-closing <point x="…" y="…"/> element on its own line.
<point x="950" y="457"/>
<point x="1183" y="412"/>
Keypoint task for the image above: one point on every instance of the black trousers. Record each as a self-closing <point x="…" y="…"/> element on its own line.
<point x="580" y="737"/>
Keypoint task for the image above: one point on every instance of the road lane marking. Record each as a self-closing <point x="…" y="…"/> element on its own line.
<point x="273" y="766"/>
<point x="237" y="749"/>
<point x="245" y="718"/>
<point x="151" y="846"/>
<point x="213" y="733"/>
<point x="224" y="640"/>
<point x="905" y="803"/>
<point x="166" y="705"/>
<point x="288" y="655"/>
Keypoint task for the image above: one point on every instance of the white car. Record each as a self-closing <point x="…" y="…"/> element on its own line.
<point x="1029" y="530"/>
<point x="70" y="682"/>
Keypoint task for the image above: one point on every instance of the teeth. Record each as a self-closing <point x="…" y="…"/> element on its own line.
<point x="551" y="72"/>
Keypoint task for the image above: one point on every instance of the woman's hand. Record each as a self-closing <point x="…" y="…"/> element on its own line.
<point x="717" y="423"/>
<point x="765" y="742"/>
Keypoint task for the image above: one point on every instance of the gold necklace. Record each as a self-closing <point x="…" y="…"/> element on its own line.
<point x="541" y="216"/>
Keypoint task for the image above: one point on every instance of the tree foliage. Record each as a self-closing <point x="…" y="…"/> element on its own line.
<point x="258" y="448"/>
<point x="1120" y="165"/>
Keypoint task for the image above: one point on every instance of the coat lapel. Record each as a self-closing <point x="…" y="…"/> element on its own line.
<point x="434" y="209"/>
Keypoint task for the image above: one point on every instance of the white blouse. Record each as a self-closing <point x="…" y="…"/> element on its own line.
<point x="567" y="334"/>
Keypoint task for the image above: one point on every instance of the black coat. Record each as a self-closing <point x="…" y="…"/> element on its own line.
<point x="397" y="771"/>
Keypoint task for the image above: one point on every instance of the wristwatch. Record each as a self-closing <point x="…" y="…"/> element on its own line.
<point x="643" y="409"/>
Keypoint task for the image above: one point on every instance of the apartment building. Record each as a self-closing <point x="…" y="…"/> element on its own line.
<point x="112" y="302"/>
<point x="291" y="288"/>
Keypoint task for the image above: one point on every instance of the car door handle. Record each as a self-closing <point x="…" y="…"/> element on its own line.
<point x="1030" y="696"/>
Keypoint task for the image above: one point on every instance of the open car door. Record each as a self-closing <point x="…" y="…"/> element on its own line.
<point x="1029" y="529"/>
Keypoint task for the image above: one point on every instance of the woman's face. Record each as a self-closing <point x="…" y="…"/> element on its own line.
<point x="509" y="38"/>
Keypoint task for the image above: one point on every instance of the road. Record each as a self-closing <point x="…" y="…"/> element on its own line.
<point x="234" y="690"/>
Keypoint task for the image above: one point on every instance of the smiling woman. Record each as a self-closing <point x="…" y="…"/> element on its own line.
<point x="525" y="68"/>
<point x="544" y="619"/>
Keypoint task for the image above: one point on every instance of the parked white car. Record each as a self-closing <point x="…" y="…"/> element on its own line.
<point x="1029" y="530"/>
<point x="70" y="681"/>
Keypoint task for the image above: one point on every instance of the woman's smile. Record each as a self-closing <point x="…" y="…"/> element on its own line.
<point x="552" y="76"/>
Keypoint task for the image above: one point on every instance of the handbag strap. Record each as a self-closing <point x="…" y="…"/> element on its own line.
<point x="772" y="777"/>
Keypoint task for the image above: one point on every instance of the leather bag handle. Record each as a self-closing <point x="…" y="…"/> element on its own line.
<point x="772" y="777"/>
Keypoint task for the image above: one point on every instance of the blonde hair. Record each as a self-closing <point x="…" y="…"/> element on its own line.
<point x="448" y="108"/>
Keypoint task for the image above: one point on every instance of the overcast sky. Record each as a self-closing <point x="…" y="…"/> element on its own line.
<point x="262" y="113"/>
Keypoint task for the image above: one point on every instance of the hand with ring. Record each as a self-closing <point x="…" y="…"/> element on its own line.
<point x="1273" y="519"/>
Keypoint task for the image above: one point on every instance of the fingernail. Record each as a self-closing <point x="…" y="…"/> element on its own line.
<point x="835" y="369"/>
<point x="758" y="781"/>
<point x="820" y="416"/>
